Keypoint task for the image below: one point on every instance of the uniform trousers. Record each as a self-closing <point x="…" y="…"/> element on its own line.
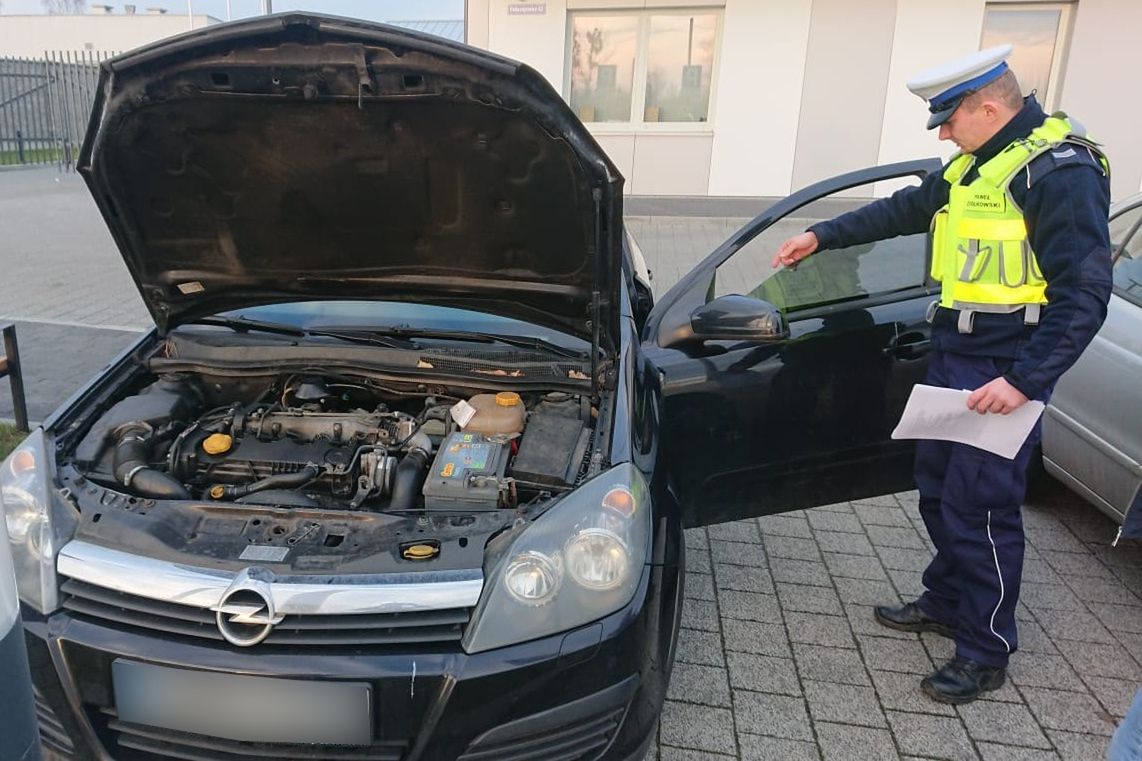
<point x="970" y="500"/>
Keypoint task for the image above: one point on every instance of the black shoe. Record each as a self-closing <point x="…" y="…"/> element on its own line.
<point x="909" y="618"/>
<point x="961" y="680"/>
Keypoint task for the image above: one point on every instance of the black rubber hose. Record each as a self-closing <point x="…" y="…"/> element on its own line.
<point x="155" y="483"/>
<point x="280" y="481"/>
<point x="133" y="471"/>
<point x="409" y="479"/>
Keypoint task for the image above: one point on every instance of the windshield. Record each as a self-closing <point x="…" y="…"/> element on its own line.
<point x="380" y="315"/>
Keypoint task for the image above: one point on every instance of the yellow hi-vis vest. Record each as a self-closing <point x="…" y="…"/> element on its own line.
<point x="980" y="252"/>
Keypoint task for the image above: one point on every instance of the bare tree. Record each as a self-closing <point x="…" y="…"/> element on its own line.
<point x="63" y="7"/>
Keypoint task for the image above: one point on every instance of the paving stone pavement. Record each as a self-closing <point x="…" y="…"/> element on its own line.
<point x="57" y="360"/>
<point x="779" y="657"/>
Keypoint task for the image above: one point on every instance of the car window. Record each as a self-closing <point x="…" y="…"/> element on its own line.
<point x="1126" y="243"/>
<point x="832" y="276"/>
<point x="1128" y="271"/>
<point x="1124" y="230"/>
<point x="1128" y="277"/>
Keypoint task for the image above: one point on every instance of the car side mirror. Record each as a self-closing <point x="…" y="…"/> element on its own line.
<point x="738" y="318"/>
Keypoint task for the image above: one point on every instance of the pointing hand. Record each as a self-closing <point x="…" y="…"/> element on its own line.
<point x="795" y="249"/>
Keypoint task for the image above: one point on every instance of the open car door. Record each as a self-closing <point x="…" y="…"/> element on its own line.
<point x="781" y="387"/>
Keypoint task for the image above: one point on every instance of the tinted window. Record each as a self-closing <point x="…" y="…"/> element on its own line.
<point x="844" y="274"/>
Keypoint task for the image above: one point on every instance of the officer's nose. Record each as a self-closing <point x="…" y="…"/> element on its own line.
<point x="945" y="131"/>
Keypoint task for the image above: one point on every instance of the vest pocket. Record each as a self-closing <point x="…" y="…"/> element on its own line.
<point x="939" y="244"/>
<point x="1014" y="265"/>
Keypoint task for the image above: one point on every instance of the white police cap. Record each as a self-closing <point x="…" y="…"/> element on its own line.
<point x="946" y="85"/>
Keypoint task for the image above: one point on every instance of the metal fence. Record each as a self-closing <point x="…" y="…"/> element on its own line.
<point x="45" y="105"/>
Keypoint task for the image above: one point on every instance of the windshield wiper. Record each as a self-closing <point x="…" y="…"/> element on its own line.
<point x="243" y="325"/>
<point x="522" y="342"/>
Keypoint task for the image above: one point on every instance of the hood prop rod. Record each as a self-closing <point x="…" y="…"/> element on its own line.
<point x="364" y="80"/>
<point x="596" y="307"/>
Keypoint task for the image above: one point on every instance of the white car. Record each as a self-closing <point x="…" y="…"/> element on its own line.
<point x="1092" y="429"/>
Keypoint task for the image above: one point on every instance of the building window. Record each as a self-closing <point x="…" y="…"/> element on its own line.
<point x="1039" y="33"/>
<point x="642" y="67"/>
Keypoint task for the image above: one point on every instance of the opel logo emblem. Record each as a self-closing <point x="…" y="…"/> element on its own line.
<point x="245" y="614"/>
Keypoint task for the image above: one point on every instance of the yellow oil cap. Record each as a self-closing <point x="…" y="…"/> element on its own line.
<point x="217" y="491"/>
<point x="217" y="443"/>
<point x="507" y="399"/>
<point x="420" y="552"/>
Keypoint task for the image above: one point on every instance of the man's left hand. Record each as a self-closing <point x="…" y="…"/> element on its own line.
<point x="996" y="396"/>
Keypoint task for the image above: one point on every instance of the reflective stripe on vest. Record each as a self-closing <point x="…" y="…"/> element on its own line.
<point x="980" y="252"/>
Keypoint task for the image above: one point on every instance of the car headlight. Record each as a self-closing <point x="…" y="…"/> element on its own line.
<point x="27" y="507"/>
<point x="598" y="559"/>
<point x="579" y="561"/>
<point x="533" y="578"/>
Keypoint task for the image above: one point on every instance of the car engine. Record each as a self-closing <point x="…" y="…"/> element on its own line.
<point x="306" y="441"/>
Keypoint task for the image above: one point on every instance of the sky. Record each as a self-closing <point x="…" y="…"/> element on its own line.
<point x="372" y="10"/>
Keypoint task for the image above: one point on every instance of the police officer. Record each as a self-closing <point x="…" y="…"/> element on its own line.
<point x="1022" y="251"/>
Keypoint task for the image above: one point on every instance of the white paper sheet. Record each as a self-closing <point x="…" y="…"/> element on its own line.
<point x="942" y="413"/>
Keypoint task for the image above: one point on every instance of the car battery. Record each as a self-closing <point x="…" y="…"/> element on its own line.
<point x="468" y="473"/>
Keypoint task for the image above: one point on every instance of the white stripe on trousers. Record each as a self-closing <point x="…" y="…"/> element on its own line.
<point x="998" y="573"/>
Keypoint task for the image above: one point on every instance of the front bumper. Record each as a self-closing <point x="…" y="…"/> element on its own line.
<point x="592" y="693"/>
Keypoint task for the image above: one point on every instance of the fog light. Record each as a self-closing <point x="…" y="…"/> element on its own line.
<point x="597" y="559"/>
<point x="533" y="578"/>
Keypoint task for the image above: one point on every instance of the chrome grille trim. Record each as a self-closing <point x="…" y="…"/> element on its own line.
<point x="303" y="595"/>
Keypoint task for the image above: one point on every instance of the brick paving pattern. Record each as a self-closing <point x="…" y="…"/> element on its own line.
<point x="779" y="657"/>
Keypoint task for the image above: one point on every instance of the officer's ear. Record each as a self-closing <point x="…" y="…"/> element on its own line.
<point x="990" y="110"/>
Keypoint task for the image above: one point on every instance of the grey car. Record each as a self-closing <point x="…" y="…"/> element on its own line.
<point x="1092" y="429"/>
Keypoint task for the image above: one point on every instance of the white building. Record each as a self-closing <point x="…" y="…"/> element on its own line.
<point x="105" y="29"/>
<point x="750" y="97"/>
<point x="759" y="97"/>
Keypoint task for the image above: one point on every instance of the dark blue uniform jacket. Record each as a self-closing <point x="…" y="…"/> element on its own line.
<point x="1065" y="197"/>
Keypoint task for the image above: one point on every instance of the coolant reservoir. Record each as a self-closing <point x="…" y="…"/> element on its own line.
<point x="501" y="413"/>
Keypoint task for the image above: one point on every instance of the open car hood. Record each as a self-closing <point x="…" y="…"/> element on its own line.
<point x="301" y="157"/>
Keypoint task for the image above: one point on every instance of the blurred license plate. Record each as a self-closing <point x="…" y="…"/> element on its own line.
<point x="239" y="707"/>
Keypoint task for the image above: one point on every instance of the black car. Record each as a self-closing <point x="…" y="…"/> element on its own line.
<point x="403" y="469"/>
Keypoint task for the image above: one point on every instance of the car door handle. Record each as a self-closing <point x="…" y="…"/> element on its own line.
<point x="908" y="346"/>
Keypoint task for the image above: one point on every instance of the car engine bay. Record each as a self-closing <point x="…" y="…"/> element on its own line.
<point x="335" y="442"/>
